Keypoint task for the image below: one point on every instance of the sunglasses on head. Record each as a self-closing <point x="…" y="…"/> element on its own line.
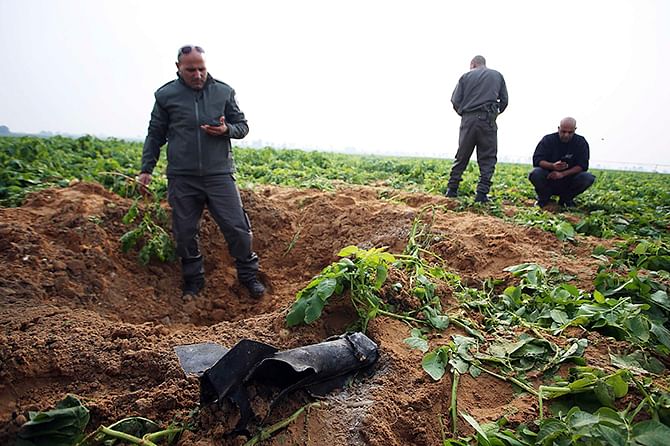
<point x="188" y="48"/>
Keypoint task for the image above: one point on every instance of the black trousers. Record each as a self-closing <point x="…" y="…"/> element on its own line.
<point x="188" y="196"/>
<point x="566" y="188"/>
<point x="477" y="129"/>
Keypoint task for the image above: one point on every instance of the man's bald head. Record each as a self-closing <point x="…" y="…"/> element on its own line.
<point x="191" y="66"/>
<point x="566" y="129"/>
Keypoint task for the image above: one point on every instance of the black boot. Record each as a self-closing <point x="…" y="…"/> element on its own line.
<point x="255" y="287"/>
<point x="193" y="286"/>
<point x="481" y="197"/>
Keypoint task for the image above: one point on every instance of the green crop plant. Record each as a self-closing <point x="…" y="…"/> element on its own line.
<point x="362" y="276"/>
<point x="401" y="286"/>
<point x="148" y="232"/>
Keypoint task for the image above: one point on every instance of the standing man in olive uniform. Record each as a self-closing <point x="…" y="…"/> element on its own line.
<point x="197" y="116"/>
<point x="479" y="97"/>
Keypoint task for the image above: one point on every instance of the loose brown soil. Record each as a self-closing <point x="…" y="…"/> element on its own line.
<point x="79" y="316"/>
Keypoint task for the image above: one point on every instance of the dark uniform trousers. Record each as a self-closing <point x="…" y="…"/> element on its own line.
<point x="477" y="129"/>
<point x="188" y="196"/>
<point x="566" y="188"/>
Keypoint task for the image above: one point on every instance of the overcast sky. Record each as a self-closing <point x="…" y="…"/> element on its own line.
<point x="376" y="76"/>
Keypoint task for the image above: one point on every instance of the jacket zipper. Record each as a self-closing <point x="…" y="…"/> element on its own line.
<point x="197" y="123"/>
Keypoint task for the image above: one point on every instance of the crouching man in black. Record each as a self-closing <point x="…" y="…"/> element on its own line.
<point x="560" y="162"/>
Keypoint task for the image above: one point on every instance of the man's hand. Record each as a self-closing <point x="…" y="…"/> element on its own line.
<point x="560" y="166"/>
<point x="216" y="130"/>
<point x="144" y="179"/>
<point x="555" y="175"/>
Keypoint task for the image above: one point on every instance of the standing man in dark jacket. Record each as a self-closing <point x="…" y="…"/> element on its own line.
<point x="197" y="116"/>
<point x="479" y="97"/>
<point x="561" y="161"/>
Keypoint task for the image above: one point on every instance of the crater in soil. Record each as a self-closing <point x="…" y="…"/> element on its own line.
<point x="79" y="316"/>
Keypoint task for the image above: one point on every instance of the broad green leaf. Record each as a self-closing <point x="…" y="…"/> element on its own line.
<point x="638" y="326"/>
<point x="380" y="277"/>
<point x="582" y="420"/>
<point x="611" y="417"/>
<point x="460" y="365"/>
<point x="297" y="314"/>
<point x="347" y="251"/>
<point x="313" y="309"/>
<point x="550" y="429"/>
<point x="417" y="340"/>
<point x="560" y="317"/>
<point x="434" y="364"/>
<point x="565" y="231"/>
<point x="618" y="384"/>
<point x="660" y="298"/>
<point x="437" y="320"/>
<point x="650" y="433"/>
<point x="472" y="422"/>
<point x="524" y="268"/>
<point x="62" y="426"/>
<point x="641" y="248"/>
<point x="661" y="333"/>
<point x="571" y="289"/>
<point x="604" y="393"/>
<point x="387" y="257"/>
<point x="325" y="288"/>
<point x="658" y="263"/>
<point x="611" y="436"/>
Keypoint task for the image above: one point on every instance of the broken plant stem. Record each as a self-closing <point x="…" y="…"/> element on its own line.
<point x="125" y="437"/>
<point x="454" y="400"/>
<point x="541" y="397"/>
<point x="293" y="241"/>
<point x="648" y="399"/>
<point x="164" y="433"/>
<point x="401" y="317"/>
<point x="133" y="180"/>
<point x="523" y="385"/>
<point x="147" y="440"/>
<point x="266" y="433"/>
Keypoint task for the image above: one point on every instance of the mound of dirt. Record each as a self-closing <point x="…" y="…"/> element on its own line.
<point x="79" y="316"/>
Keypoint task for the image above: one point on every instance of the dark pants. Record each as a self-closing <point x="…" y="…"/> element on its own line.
<point x="566" y="188"/>
<point x="188" y="196"/>
<point x="477" y="129"/>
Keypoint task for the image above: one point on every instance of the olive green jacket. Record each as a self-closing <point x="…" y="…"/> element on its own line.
<point x="176" y="118"/>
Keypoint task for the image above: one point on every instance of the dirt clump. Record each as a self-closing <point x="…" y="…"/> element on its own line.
<point x="79" y="316"/>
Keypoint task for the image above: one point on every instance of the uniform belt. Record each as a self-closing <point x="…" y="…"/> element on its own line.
<point x="472" y="112"/>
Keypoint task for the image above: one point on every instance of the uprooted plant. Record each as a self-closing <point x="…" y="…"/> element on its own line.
<point x="401" y="286"/>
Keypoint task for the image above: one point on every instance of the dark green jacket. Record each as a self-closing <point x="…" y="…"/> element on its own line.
<point x="176" y="118"/>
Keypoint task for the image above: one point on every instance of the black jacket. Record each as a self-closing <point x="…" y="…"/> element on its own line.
<point x="574" y="152"/>
<point x="176" y="118"/>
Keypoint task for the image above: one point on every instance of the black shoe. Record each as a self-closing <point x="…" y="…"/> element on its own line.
<point x="570" y="203"/>
<point x="192" y="287"/>
<point x="255" y="287"/>
<point x="481" y="198"/>
<point x="542" y="202"/>
<point x="451" y="193"/>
